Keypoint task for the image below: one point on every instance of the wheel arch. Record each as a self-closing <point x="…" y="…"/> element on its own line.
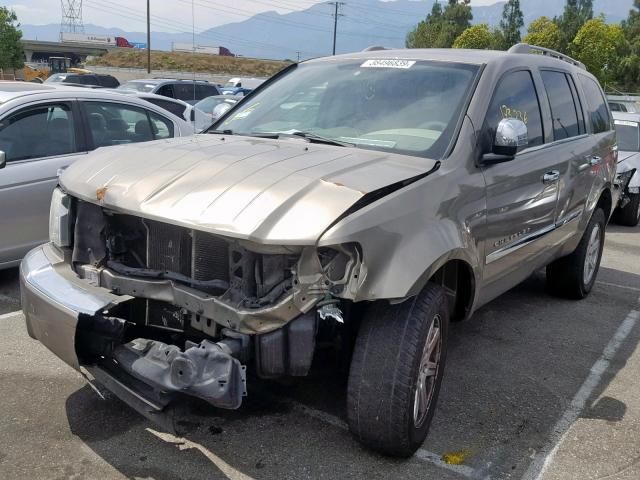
<point x="453" y="271"/>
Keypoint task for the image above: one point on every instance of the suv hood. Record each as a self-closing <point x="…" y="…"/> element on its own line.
<point x="269" y="191"/>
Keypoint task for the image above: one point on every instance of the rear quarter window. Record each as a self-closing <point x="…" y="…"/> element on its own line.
<point x="599" y="116"/>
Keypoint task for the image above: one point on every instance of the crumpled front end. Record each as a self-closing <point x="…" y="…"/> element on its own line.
<point x="152" y="310"/>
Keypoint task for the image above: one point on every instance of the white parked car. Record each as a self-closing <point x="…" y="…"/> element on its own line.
<point x="43" y="129"/>
<point x="179" y="108"/>
<point x="628" y="173"/>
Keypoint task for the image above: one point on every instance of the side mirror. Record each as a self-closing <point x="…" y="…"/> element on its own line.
<point x="3" y="159"/>
<point x="511" y="134"/>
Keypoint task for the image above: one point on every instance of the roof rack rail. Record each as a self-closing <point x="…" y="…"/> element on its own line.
<point x="526" y="48"/>
<point x="373" y="48"/>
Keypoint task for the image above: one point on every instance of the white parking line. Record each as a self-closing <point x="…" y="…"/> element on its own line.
<point x="227" y="470"/>
<point x="421" y="454"/>
<point x="624" y="287"/>
<point x="6" y="316"/>
<point x="543" y="458"/>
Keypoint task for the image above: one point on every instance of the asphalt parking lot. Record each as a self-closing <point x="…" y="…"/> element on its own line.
<point x="535" y="387"/>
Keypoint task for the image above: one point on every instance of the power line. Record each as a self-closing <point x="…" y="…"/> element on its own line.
<point x="71" y="16"/>
<point x="337" y="5"/>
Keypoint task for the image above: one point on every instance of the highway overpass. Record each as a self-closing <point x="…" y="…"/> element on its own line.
<point x="38" y="50"/>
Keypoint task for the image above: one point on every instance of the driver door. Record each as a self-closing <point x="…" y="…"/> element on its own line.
<point x="521" y="194"/>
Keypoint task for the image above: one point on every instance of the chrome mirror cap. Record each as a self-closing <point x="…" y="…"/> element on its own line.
<point x="511" y="133"/>
<point x="3" y="159"/>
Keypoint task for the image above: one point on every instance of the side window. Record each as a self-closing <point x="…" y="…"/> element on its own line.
<point x="204" y="91"/>
<point x="166" y="90"/>
<point x="107" y="81"/>
<point x="116" y="124"/>
<point x="173" y="107"/>
<point x="161" y="127"/>
<point x="515" y="97"/>
<point x="184" y="91"/>
<point x="564" y="113"/>
<point x="42" y="131"/>
<point x="596" y="105"/>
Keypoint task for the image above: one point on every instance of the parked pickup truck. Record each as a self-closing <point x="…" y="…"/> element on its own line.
<point x="422" y="185"/>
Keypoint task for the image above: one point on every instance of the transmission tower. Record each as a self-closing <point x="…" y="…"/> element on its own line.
<point x="71" y="16"/>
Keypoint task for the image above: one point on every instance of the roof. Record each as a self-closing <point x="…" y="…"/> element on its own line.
<point x="9" y="90"/>
<point x="468" y="56"/>
<point x="157" y="81"/>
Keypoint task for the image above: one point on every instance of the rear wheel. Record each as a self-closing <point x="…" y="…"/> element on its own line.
<point x="630" y="214"/>
<point x="573" y="276"/>
<point x="396" y="372"/>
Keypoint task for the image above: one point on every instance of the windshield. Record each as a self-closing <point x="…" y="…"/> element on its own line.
<point x="138" y="86"/>
<point x="403" y="106"/>
<point x="628" y="134"/>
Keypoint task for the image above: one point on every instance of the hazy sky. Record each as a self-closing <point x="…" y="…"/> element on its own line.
<point x="167" y="15"/>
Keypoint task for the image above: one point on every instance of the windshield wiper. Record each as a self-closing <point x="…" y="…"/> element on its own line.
<point x="221" y="132"/>
<point x="313" y="137"/>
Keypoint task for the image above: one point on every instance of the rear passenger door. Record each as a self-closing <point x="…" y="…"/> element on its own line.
<point x="521" y="194"/>
<point x="568" y="140"/>
<point x="599" y="165"/>
<point x="38" y="140"/>
<point x="113" y="123"/>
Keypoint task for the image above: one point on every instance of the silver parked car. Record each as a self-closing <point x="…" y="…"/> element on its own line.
<point x="628" y="132"/>
<point x="43" y="129"/>
<point x="414" y="187"/>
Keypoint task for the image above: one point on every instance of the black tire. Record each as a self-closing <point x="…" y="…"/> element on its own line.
<point x="630" y="214"/>
<point x="384" y="372"/>
<point x="566" y="276"/>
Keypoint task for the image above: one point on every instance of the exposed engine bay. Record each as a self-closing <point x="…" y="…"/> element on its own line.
<point x="203" y="306"/>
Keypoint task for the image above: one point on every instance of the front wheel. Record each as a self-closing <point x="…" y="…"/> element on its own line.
<point x="396" y="372"/>
<point x="573" y="276"/>
<point x="630" y="214"/>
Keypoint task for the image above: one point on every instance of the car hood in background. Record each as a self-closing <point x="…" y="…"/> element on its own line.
<point x="270" y="191"/>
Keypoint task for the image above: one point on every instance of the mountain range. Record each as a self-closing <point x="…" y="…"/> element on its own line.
<point x="309" y="33"/>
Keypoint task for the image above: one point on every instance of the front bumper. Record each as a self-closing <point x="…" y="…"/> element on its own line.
<point x="54" y="298"/>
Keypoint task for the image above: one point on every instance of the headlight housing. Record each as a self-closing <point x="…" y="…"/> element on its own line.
<point x="60" y="219"/>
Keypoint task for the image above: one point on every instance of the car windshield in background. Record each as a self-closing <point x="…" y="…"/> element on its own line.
<point x="56" y="78"/>
<point x="209" y="103"/>
<point x="138" y="86"/>
<point x="403" y="106"/>
<point x="628" y="136"/>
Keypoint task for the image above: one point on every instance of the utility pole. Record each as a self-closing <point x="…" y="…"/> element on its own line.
<point x="148" y="39"/>
<point x="335" y="15"/>
<point x="298" y="53"/>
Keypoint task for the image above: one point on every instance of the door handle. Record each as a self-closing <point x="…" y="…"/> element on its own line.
<point x="595" y="160"/>
<point x="551" y="177"/>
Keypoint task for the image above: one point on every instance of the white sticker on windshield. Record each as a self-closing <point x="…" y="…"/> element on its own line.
<point x="626" y="123"/>
<point x="388" y="63"/>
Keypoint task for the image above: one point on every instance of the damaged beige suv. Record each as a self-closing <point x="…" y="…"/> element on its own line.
<point x="385" y="193"/>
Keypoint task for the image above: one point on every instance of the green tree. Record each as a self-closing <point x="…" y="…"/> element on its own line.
<point x="601" y="47"/>
<point x="441" y="27"/>
<point x="511" y="23"/>
<point x="11" y="53"/>
<point x="544" y="32"/>
<point x="426" y="33"/>
<point x="479" y="37"/>
<point x="576" y="13"/>
<point x="629" y="69"/>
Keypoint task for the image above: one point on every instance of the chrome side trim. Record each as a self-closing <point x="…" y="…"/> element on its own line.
<point x="526" y="240"/>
